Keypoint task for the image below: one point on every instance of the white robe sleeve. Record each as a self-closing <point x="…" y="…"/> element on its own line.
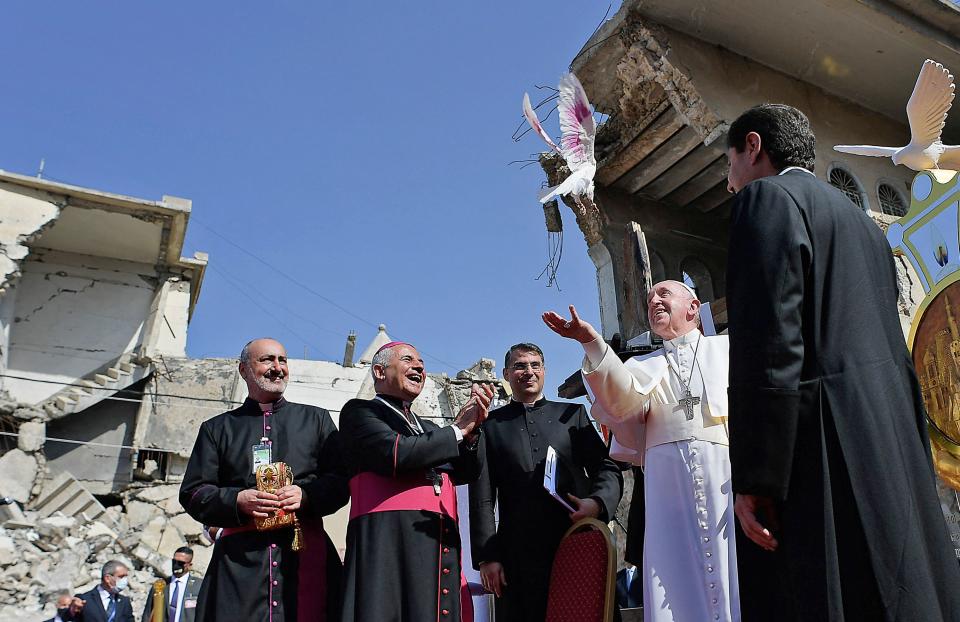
<point x="619" y="401"/>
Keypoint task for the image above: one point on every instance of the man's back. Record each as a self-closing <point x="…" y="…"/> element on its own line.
<point x="826" y="411"/>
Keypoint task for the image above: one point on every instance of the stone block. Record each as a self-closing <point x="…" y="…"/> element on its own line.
<point x="56" y="528"/>
<point x="96" y="529"/>
<point x="190" y="528"/>
<point x="171" y="506"/>
<point x="140" y="513"/>
<point x="18" y="471"/>
<point x="8" y="551"/>
<point x="32" y="436"/>
<point x="155" y="494"/>
<point x="201" y="558"/>
<point x="172" y="540"/>
<point x="152" y="533"/>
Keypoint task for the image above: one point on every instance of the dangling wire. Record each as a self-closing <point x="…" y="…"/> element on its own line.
<point x="551" y="212"/>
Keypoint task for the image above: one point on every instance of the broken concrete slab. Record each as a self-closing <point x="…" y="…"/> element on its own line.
<point x="187" y="526"/>
<point x="18" y="471"/>
<point x="140" y="513"/>
<point x="8" y="551"/>
<point x="32" y="436"/>
<point x="155" y="494"/>
<point x="152" y="533"/>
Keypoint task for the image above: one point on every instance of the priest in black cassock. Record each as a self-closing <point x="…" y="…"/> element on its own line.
<point x="828" y="444"/>
<point x="255" y="575"/>
<point x="516" y="556"/>
<point x="402" y="561"/>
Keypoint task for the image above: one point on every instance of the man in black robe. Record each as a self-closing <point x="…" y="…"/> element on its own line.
<point x="516" y="556"/>
<point x="256" y="575"/>
<point x="828" y="442"/>
<point x="402" y="561"/>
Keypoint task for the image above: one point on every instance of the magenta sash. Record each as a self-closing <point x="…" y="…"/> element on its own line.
<point x="371" y="493"/>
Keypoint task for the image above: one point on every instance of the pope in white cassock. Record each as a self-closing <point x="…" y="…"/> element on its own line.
<point x="667" y="411"/>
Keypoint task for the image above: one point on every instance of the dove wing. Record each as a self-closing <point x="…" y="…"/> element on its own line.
<point x="867" y="150"/>
<point x="931" y="99"/>
<point x="950" y="158"/>
<point x="576" y="123"/>
<point x="534" y="122"/>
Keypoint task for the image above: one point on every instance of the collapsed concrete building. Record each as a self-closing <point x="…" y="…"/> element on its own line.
<point x="672" y="75"/>
<point x="99" y="404"/>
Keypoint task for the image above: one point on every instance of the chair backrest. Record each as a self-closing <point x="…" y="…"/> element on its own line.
<point x="583" y="576"/>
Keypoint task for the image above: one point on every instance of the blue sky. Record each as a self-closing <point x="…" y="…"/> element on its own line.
<point x="358" y="151"/>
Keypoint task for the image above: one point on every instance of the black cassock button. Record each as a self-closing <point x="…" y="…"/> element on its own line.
<point x="536" y="449"/>
<point x="534" y="434"/>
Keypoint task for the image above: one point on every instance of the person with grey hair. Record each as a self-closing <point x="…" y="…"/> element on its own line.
<point x="515" y="556"/>
<point x="402" y="561"/>
<point x="667" y="411"/>
<point x="104" y="603"/>
<point x="63" y="607"/>
<point x="256" y="574"/>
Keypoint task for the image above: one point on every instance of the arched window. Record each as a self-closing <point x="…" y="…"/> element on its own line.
<point x="697" y="276"/>
<point x="657" y="271"/>
<point x="891" y="201"/>
<point x="847" y="184"/>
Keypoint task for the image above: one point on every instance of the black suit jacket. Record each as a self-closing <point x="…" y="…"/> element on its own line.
<point x="189" y="602"/>
<point x="93" y="611"/>
<point x="628" y="599"/>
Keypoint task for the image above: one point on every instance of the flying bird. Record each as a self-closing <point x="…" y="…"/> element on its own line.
<point x="578" y="130"/>
<point x="927" y="114"/>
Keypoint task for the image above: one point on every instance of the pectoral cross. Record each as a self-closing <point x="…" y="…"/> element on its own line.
<point x="688" y="401"/>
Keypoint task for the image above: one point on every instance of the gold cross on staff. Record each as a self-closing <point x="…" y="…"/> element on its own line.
<point x="688" y="401"/>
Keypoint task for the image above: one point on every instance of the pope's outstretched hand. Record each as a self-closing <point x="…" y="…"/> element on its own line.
<point x="574" y="328"/>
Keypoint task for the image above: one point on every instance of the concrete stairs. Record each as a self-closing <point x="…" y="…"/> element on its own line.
<point x="97" y="385"/>
<point x="66" y="495"/>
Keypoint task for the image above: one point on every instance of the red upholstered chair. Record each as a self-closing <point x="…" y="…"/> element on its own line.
<point x="583" y="576"/>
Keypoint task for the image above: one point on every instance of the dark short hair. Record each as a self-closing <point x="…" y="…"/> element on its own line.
<point x="522" y="347"/>
<point x="185" y="549"/>
<point x="785" y="135"/>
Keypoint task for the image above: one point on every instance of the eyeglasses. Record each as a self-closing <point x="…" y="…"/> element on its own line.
<point x="534" y="367"/>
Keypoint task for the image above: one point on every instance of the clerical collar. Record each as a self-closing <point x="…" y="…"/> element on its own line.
<point x="537" y="404"/>
<point x="396" y="402"/>
<point x="683" y="340"/>
<point x="796" y="168"/>
<point x="255" y="405"/>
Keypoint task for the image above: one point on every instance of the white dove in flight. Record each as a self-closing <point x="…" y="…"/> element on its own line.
<point x="927" y="113"/>
<point x="576" y="142"/>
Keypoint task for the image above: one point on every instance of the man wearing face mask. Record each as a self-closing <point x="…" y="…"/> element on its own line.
<point x="258" y="575"/>
<point x="63" y="608"/>
<point x="180" y="591"/>
<point x="104" y="603"/>
<point x="403" y="544"/>
<point x="668" y="413"/>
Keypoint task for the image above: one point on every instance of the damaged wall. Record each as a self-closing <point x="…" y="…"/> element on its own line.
<point x="74" y="314"/>
<point x="101" y="469"/>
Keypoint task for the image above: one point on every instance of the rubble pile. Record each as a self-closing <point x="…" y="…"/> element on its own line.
<point x="42" y="555"/>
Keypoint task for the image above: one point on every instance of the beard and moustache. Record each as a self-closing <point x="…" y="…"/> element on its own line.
<point x="272" y="382"/>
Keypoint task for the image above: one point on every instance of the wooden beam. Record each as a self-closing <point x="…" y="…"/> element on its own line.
<point x="712" y="198"/>
<point x="662" y="158"/>
<point x="662" y="128"/>
<point x="699" y="183"/>
<point x="692" y="164"/>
